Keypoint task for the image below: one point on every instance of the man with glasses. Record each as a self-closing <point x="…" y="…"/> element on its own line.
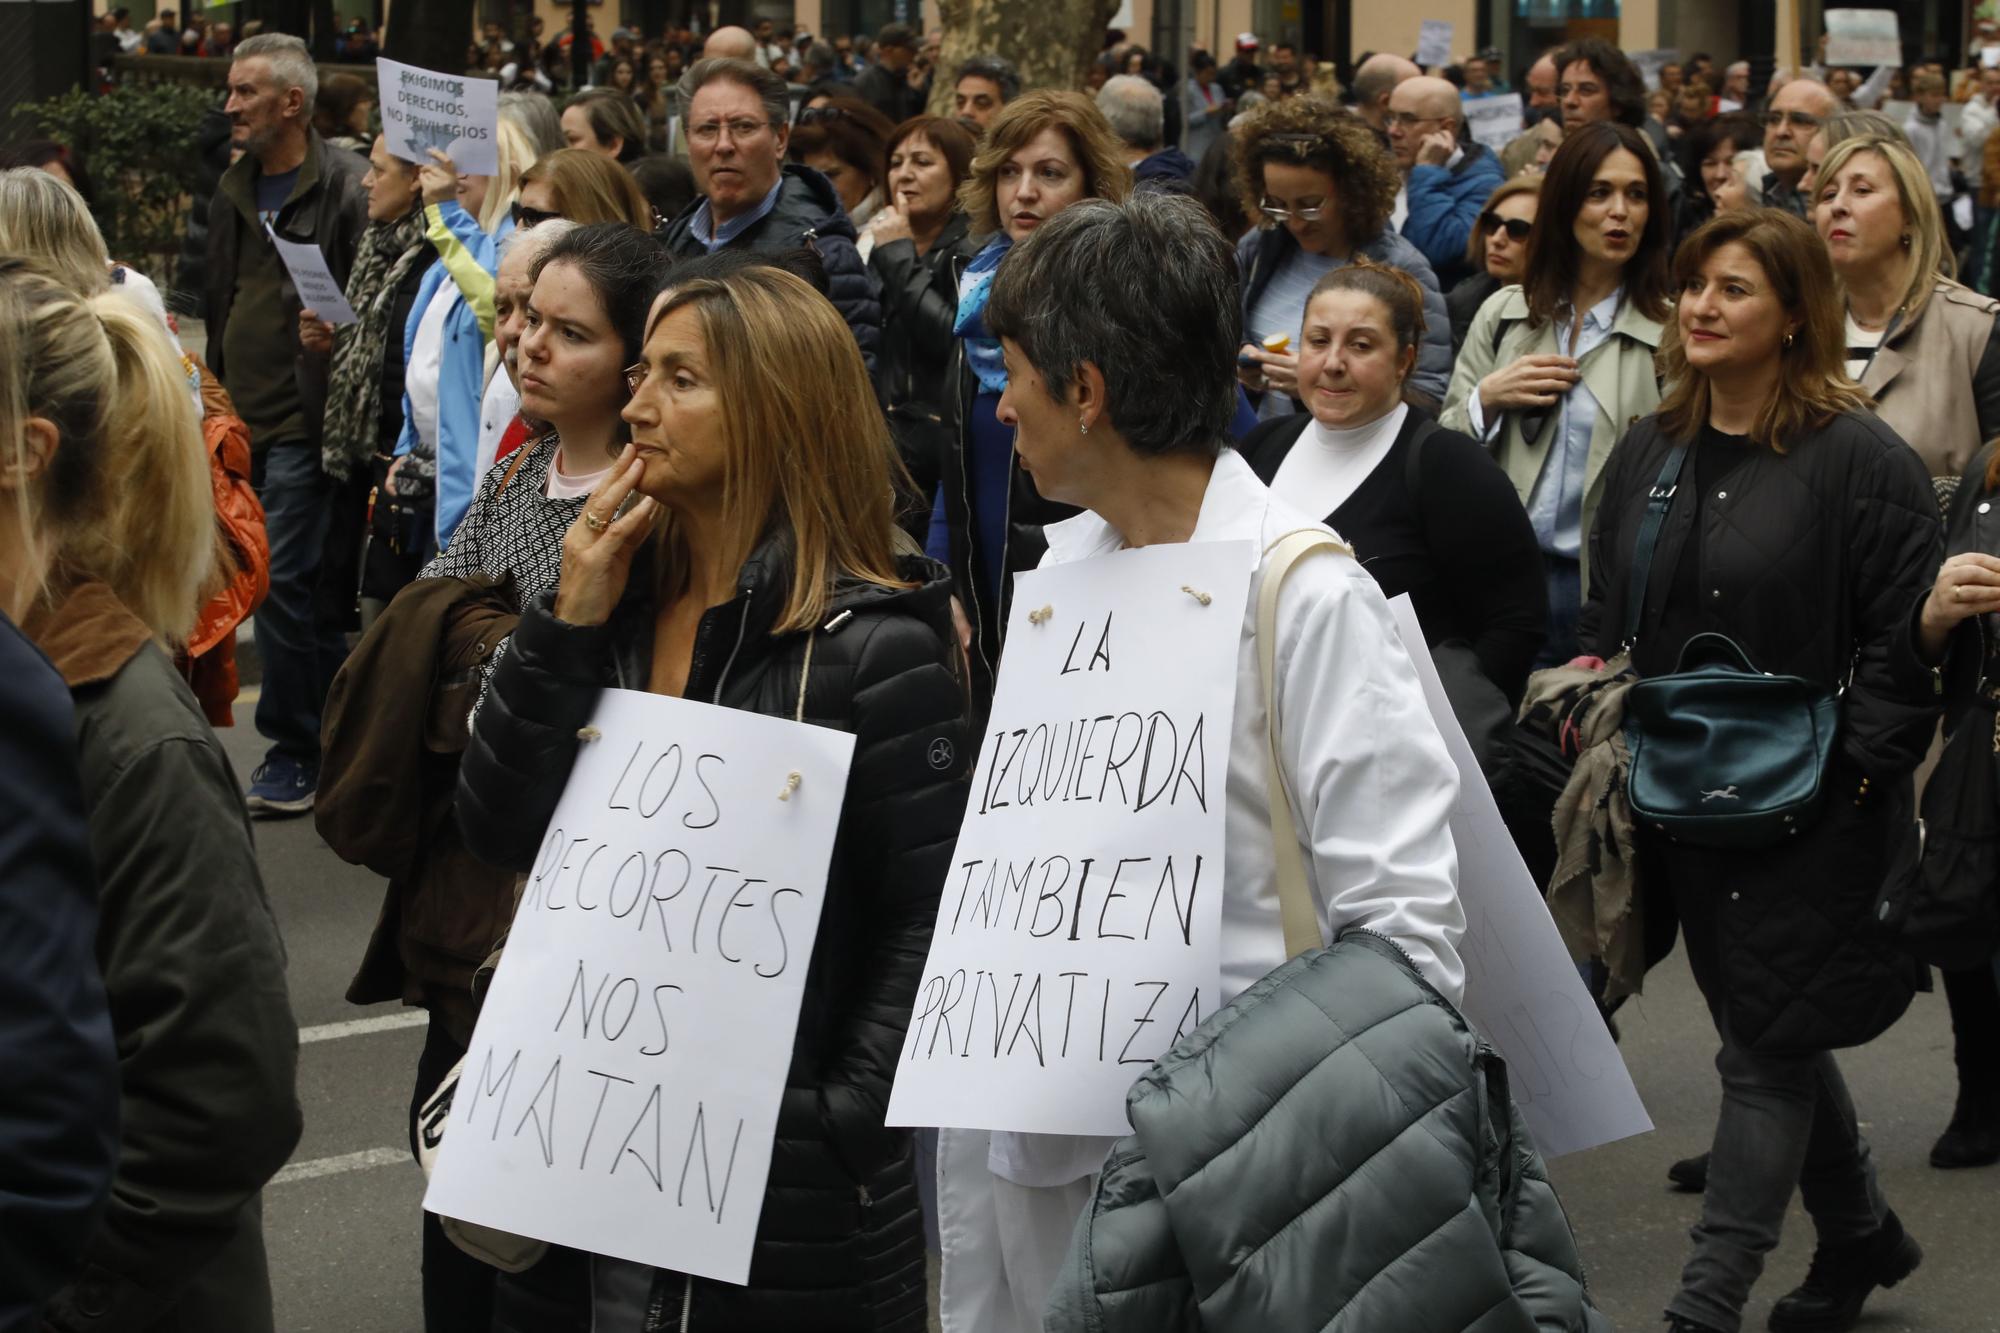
<point x="751" y="199"/>
<point x="1445" y="182"/>
<point x="1796" y="114"/>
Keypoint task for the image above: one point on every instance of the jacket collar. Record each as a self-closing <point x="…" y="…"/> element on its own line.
<point x="1235" y="507"/>
<point x="86" y="632"/>
<point x="1630" y="323"/>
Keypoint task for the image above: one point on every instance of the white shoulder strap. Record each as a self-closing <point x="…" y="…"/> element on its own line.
<point x="1295" y="904"/>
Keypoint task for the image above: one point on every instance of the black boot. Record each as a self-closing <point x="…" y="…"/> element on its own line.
<point x="1973" y="1137"/>
<point x="1690" y="1174"/>
<point x="1677" y="1323"/>
<point x="1842" y="1277"/>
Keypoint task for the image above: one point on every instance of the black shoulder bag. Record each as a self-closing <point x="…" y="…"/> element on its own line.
<point x="1723" y="755"/>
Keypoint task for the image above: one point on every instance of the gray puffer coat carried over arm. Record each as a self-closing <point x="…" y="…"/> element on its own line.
<point x="1385" y="1180"/>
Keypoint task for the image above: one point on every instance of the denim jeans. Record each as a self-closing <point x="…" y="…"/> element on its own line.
<point x="1565" y="605"/>
<point x="299" y="644"/>
<point x="1786" y="1120"/>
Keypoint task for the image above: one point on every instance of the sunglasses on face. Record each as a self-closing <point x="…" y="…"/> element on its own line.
<point x="527" y="219"/>
<point x="1516" y="229"/>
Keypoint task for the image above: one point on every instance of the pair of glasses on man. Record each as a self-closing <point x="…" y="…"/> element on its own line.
<point x="1799" y="119"/>
<point x="527" y="219"/>
<point x="1516" y="229"/>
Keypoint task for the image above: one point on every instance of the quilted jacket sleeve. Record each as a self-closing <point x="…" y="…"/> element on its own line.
<point x="1891" y="709"/>
<point x="899" y="823"/>
<point x="524" y="735"/>
<point x="852" y="290"/>
<point x="1124" y="1273"/>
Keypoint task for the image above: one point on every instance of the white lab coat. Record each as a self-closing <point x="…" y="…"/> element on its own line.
<point x="1371" y="788"/>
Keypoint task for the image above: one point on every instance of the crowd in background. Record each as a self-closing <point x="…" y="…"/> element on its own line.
<point x="752" y="332"/>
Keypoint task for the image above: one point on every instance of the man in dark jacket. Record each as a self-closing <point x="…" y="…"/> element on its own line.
<point x="1137" y="113"/>
<point x="290" y="183"/>
<point x="61" y="1123"/>
<point x="751" y="200"/>
<point x="885" y="85"/>
<point x="1445" y="182"/>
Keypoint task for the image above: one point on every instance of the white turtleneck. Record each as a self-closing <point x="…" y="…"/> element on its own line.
<point x="1326" y="466"/>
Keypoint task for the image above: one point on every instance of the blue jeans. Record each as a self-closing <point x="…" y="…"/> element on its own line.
<point x="1565" y="605"/>
<point x="299" y="646"/>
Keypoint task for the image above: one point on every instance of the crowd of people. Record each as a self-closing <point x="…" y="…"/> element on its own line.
<point x="740" y="346"/>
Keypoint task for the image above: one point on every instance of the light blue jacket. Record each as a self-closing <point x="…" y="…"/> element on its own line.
<point x="469" y="258"/>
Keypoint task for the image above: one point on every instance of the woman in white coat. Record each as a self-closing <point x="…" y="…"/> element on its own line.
<point x="1088" y="310"/>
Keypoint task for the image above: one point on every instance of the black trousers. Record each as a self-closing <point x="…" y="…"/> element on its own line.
<point x="1974" y="998"/>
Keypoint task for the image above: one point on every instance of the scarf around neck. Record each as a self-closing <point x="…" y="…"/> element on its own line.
<point x="385" y="257"/>
<point x="982" y="350"/>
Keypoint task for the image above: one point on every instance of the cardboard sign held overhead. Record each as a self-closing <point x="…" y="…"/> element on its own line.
<point x="1078" y="934"/>
<point x="621" y="1091"/>
<point x="456" y="114"/>
<point x="1434" y="43"/>
<point x="1863" y="37"/>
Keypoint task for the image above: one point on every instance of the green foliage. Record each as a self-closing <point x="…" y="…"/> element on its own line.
<point x="138" y="143"/>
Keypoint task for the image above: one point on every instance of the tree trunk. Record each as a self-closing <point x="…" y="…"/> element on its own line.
<point x="1051" y="42"/>
<point x="432" y="35"/>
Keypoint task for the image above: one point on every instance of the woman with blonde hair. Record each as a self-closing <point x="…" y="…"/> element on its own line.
<point x="1043" y="152"/>
<point x="1925" y="347"/>
<point x="1497" y="249"/>
<point x="189" y="953"/>
<point x="757" y="570"/>
<point x="582" y="186"/>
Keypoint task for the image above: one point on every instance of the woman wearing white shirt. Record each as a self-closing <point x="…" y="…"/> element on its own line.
<point x="1088" y="308"/>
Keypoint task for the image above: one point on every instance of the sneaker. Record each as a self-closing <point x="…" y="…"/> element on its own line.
<point x="1973" y="1137"/>
<point x="282" y="786"/>
<point x="1677" y="1323"/>
<point x="1690" y="1174"/>
<point x="1842" y="1276"/>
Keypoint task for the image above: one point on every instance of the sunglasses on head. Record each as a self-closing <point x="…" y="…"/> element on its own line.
<point x="1516" y="229"/>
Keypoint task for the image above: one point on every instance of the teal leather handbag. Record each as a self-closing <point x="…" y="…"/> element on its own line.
<point x="1723" y="755"/>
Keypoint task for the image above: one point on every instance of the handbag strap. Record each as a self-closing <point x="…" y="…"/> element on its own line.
<point x="1658" y="501"/>
<point x="1295" y="904"/>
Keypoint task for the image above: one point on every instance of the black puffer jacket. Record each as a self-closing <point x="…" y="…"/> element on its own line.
<point x="808" y="214"/>
<point x="839" y="1243"/>
<point x="913" y="371"/>
<point x="1814" y="561"/>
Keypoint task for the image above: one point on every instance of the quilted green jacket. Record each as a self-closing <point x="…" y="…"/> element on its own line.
<point x="1336" y="1150"/>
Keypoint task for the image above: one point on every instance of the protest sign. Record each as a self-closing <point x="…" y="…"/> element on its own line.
<point x="1434" y="42"/>
<point x="1493" y="121"/>
<point x="1650" y="63"/>
<point x="455" y="113"/>
<point x="1522" y="991"/>
<point x="621" y="1091"/>
<point x="1863" y="37"/>
<point x="313" y="280"/>
<point x="1077" y="936"/>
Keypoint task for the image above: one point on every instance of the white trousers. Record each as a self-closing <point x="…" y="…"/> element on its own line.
<point x="1003" y="1243"/>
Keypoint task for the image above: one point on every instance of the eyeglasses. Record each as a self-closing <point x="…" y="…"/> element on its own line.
<point x="1516" y="228"/>
<point x="1313" y="214"/>
<point x="527" y="219"/>
<point x="710" y="132"/>
<point x="1800" y="119"/>
<point x="635" y="378"/>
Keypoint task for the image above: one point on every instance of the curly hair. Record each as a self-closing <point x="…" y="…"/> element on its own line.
<point x="1309" y="132"/>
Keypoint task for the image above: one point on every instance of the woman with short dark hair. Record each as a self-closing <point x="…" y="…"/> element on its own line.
<point x="1791" y="520"/>
<point x="1322" y="191"/>
<point x="1554" y="370"/>
<point x="1708" y="162"/>
<point x="846" y="141"/>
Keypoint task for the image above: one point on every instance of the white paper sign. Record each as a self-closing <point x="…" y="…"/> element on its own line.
<point x="1077" y="936"/>
<point x="1522" y="991"/>
<point x="314" y="281"/>
<point x="1493" y="121"/>
<point x="1434" y="42"/>
<point x="455" y="113"/>
<point x="1863" y="37"/>
<point x="1650" y="63"/>
<point x="621" y="1091"/>
<point x="1989" y="57"/>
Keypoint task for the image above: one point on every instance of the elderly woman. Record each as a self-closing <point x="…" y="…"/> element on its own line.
<point x="1324" y="191"/>
<point x="186" y="945"/>
<point x="1044" y="152"/>
<point x="919" y="242"/>
<point x="1498" y="251"/>
<point x="732" y="536"/>
<point x="1793" y="521"/>
<point x="1926" y="348"/>
<point x="1118" y="332"/>
<point x="1555" y="370"/>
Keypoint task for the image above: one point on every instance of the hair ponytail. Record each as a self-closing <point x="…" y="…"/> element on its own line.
<point x="158" y="540"/>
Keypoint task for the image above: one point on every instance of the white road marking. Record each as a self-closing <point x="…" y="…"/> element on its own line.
<point x="365" y="1160"/>
<point x="361" y="1027"/>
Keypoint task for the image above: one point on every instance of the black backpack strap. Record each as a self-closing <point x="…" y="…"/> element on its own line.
<point x="1413" y="462"/>
<point x="1658" y="501"/>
